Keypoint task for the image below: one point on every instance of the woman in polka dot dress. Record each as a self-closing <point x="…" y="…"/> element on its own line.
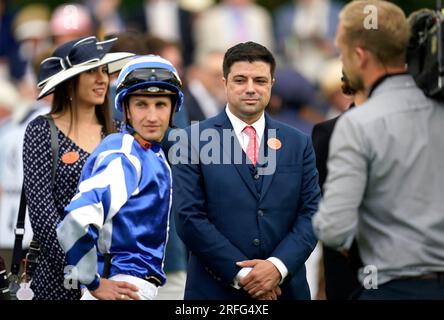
<point x="77" y="75"/>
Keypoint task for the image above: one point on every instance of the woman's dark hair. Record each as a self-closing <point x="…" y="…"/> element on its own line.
<point x="248" y="51"/>
<point x="65" y="101"/>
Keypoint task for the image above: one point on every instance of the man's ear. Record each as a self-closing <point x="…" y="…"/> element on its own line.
<point x="362" y="56"/>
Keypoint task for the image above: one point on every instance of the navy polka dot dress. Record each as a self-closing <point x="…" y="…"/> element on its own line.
<point x="46" y="204"/>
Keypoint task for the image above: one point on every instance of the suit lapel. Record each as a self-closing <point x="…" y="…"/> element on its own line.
<point x="234" y="148"/>
<point x="271" y="131"/>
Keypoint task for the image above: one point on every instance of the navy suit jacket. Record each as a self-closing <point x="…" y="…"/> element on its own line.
<point x="223" y="219"/>
<point x="340" y="272"/>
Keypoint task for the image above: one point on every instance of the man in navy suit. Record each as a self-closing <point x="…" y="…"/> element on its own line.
<point x="245" y="189"/>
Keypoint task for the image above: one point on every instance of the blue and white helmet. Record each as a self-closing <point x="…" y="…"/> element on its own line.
<point x="150" y="75"/>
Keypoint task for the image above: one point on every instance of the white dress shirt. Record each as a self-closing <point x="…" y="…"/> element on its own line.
<point x="239" y="126"/>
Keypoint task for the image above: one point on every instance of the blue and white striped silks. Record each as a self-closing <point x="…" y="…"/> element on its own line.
<point x="122" y="207"/>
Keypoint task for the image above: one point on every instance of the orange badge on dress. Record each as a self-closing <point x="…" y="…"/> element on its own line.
<point x="274" y="143"/>
<point x="70" y="157"/>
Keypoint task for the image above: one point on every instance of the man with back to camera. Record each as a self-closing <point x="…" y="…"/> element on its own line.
<point x="385" y="169"/>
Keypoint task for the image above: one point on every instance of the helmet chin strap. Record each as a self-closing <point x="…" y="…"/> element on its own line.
<point x="125" y="108"/>
<point x="128" y="124"/>
<point x="170" y="124"/>
<point x="144" y="143"/>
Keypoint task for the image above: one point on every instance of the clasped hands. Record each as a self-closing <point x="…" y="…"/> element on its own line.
<point x="262" y="282"/>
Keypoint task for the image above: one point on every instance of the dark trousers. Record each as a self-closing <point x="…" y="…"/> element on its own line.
<point x="406" y="289"/>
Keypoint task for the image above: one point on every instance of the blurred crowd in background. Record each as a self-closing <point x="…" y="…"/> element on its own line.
<point x="193" y="35"/>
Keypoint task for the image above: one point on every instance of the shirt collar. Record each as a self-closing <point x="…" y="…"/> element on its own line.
<point x="380" y="80"/>
<point x="145" y="144"/>
<point x="239" y="125"/>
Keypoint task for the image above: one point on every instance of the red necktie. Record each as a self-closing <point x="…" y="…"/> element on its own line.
<point x="252" y="144"/>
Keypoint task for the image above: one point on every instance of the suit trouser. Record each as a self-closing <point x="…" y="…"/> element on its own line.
<point x="147" y="290"/>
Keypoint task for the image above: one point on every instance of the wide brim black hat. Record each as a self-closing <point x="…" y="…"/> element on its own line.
<point x="75" y="57"/>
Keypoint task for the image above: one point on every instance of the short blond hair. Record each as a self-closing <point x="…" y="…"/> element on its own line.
<point x="388" y="41"/>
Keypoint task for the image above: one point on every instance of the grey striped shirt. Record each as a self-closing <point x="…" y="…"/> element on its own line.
<point x="386" y="181"/>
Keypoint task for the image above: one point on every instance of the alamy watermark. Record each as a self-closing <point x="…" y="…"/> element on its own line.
<point x="71" y="280"/>
<point x="211" y="146"/>
<point x="71" y="17"/>
<point x="371" y="20"/>
<point x="370" y="280"/>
